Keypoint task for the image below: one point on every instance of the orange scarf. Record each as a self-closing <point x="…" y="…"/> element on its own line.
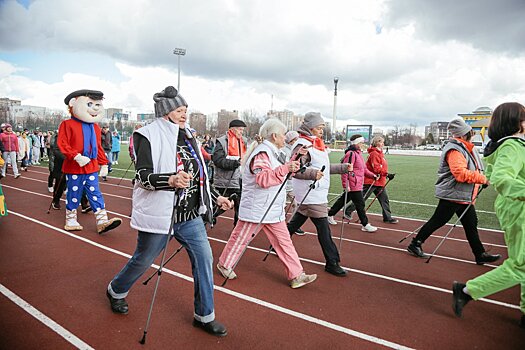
<point x="233" y="145"/>
<point x="317" y="143"/>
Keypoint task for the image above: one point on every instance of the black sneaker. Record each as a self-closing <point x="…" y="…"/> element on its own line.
<point x="459" y="298"/>
<point x="56" y="206"/>
<point x="119" y="306"/>
<point x="415" y="249"/>
<point x="487" y="258"/>
<point x="335" y="269"/>
<point x="391" y="221"/>
<point x="213" y="327"/>
<point x="300" y="232"/>
<point x="86" y="210"/>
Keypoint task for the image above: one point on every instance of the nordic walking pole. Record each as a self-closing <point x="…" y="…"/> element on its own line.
<point x="343" y="220"/>
<point x="460" y="217"/>
<point x="312" y="186"/>
<point x="176" y="202"/>
<point x="377" y="195"/>
<point x="167" y="261"/>
<point x="123" y="176"/>
<point x="411" y="233"/>
<point x="231" y="197"/>
<point x="257" y="228"/>
<point x="367" y="193"/>
<point x="54" y="192"/>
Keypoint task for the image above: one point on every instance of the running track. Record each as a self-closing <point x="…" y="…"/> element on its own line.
<point x="53" y="283"/>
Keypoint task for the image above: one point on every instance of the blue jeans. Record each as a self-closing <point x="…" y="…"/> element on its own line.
<point x="192" y="235"/>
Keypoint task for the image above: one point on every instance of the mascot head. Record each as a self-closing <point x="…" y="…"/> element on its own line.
<point x="86" y="105"/>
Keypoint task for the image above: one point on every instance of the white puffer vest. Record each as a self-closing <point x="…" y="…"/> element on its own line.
<point x="319" y="194"/>
<point x="151" y="210"/>
<point x="255" y="200"/>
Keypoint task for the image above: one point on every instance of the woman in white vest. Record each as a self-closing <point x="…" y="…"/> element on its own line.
<point x="168" y="159"/>
<point x="263" y="175"/>
<point x="315" y="204"/>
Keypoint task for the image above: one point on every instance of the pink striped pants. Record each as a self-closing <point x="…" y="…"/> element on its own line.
<point x="279" y="238"/>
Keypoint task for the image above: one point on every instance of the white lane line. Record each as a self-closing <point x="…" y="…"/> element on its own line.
<point x="330" y="194"/>
<point x="393" y="279"/>
<point x="314" y="234"/>
<point x="51" y="197"/>
<point x="413" y="203"/>
<point x="55" y="327"/>
<point x="245" y="297"/>
<point x="101" y="182"/>
<point x="350" y="223"/>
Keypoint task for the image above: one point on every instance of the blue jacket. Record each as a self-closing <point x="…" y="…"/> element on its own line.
<point x="115" y="143"/>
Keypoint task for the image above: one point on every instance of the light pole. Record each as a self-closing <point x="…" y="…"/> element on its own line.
<point x="179" y="52"/>
<point x="336" y="80"/>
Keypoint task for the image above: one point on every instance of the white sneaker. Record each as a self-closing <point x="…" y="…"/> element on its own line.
<point x="50" y="189"/>
<point x="226" y="273"/>
<point x="331" y="220"/>
<point x="302" y="279"/>
<point x="369" y="228"/>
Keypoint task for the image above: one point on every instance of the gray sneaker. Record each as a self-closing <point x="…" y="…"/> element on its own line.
<point x="302" y="279"/>
<point x="226" y="273"/>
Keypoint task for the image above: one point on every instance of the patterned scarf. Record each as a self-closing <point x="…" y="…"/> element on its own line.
<point x="90" y="140"/>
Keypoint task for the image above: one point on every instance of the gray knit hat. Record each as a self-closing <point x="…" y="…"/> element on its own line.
<point x="313" y="119"/>
<point x="290" y="135"/>
<point x="167" y="100"/>
<point x="458" y="127"/>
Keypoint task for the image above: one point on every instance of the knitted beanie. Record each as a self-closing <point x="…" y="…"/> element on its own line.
<point x="167" y="100"/>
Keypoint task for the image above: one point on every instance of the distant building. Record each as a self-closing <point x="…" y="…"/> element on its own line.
<point x="479" y="120"/>
<point x="115" y="114"/>
<point x="291" y="120"/>
<point x="5" y="108"/>
<point x="224" y="118"/>
<point x="145" y="117"/>
<point x="439" y="131"/>
<point x="198" y="122"/>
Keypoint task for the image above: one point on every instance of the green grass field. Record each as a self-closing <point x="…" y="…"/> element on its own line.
<point x="414" y="183"/>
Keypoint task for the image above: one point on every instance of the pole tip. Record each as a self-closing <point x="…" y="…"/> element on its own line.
<point x="143" y="340"/>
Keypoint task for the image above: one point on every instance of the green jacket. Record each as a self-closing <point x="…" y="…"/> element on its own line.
<point x="506" y="172"/>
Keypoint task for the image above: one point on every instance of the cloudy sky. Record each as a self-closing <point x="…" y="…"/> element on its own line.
<point x="399" y="62"/>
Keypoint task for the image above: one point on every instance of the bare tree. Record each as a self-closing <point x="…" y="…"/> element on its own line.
<point x="253" y="122"/>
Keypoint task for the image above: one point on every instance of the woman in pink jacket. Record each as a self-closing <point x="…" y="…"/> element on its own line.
<point x="353" y="184"/>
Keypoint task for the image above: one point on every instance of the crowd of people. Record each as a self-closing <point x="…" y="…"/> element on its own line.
<point x="182" y="183"/>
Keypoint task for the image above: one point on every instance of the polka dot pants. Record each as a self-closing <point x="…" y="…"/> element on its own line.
<point x="78" y="184"/>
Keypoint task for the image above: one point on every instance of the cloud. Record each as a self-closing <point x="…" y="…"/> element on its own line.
<point x="399" y="62"/>
<point x="486" y="24"/>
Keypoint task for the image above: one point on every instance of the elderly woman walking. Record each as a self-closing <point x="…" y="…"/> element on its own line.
<point x="262" y="177"/>
<point x="315" y="201"/>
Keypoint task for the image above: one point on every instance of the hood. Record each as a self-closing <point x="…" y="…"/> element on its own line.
<point x="372" y="149"/>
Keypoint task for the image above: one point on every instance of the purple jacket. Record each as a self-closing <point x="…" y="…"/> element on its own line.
<point x="359" y="173"/>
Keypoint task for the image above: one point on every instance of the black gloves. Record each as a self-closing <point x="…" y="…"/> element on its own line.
<point x="390" y="176"/>
<point x="484" y="186"/>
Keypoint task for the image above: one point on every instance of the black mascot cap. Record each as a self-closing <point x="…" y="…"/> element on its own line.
<point x="92" y="94"/>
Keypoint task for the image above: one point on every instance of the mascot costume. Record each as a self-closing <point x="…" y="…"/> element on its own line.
<point x="80" y="142"/>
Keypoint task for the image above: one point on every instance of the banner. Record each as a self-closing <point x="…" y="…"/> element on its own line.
<point x="363" y="130"/>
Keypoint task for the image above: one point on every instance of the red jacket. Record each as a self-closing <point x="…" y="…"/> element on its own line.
<point x="377" y="164"/>
<point x="71" y="142"/>
<point x="10" y="141"/>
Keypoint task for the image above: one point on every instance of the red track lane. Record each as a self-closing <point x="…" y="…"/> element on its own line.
<point x="57" y="273"/>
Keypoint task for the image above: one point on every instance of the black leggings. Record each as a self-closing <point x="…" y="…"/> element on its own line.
<point x="357" y="198"/>
<point x="443" y="213"/>
<point x="324" y="235"/>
